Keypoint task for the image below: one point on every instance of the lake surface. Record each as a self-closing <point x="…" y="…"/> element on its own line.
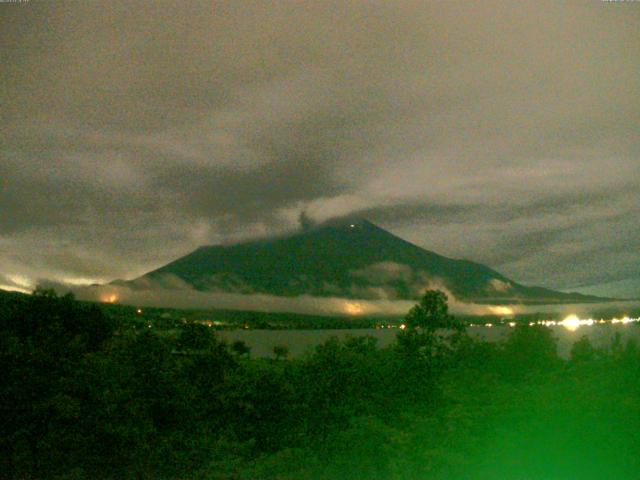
<point x="300" y="342"/>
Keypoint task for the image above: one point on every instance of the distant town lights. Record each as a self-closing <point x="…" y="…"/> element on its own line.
<point x="571" y="323"/>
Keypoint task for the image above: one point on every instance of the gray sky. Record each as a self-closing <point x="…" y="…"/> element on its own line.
<point x="502" y="132"/>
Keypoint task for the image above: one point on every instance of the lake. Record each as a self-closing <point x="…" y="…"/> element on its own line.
<point x="301" y="341"/>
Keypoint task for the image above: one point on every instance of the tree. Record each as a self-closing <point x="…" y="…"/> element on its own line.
<point x="195" y="336"/>
<point x="432" y="313"/>
<point x="46" y="343"/>
<point x="426" y="344"/>
<point x="281" y="351"/>
<point x="428" y="327"/>
<point x="240" y="348"/>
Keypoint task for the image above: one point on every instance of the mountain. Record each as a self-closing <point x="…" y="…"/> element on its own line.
<point x="347" y="258"/>
<point x="627" y="288"/>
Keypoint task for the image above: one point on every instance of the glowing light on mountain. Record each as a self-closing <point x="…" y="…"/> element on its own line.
<point x="109" y="298"/>
<point x="501" y="310"/>
<point x="353" y="308"/>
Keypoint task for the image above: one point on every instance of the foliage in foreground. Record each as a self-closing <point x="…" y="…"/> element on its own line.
<point x="85" y="397"/>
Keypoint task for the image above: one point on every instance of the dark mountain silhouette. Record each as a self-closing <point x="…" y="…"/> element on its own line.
<point x="346" y="258"/>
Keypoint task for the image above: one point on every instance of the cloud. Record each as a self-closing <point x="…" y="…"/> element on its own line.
<point x="166" y="295"/>
<point x="15" y="283"/>
<point x="502" y="133"/>
<point x="498" y="285"/>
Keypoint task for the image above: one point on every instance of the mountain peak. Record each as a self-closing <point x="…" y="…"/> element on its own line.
<point x="347" y="223"/>
<point x="347" y="257"/>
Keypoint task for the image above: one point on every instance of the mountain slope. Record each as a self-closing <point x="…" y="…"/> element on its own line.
<point x="353" y="259"/>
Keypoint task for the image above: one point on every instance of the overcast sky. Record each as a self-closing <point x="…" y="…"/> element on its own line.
<point x="502" y="132"/>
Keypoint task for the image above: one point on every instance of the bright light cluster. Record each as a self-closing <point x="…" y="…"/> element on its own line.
<point x="625" y="320"/>
<point x="571" y="323"/>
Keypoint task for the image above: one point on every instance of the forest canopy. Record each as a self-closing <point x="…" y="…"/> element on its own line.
<point x="88" y="396"/>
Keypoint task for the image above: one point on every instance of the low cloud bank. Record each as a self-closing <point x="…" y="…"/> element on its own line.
<point x="305" y="304"/>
